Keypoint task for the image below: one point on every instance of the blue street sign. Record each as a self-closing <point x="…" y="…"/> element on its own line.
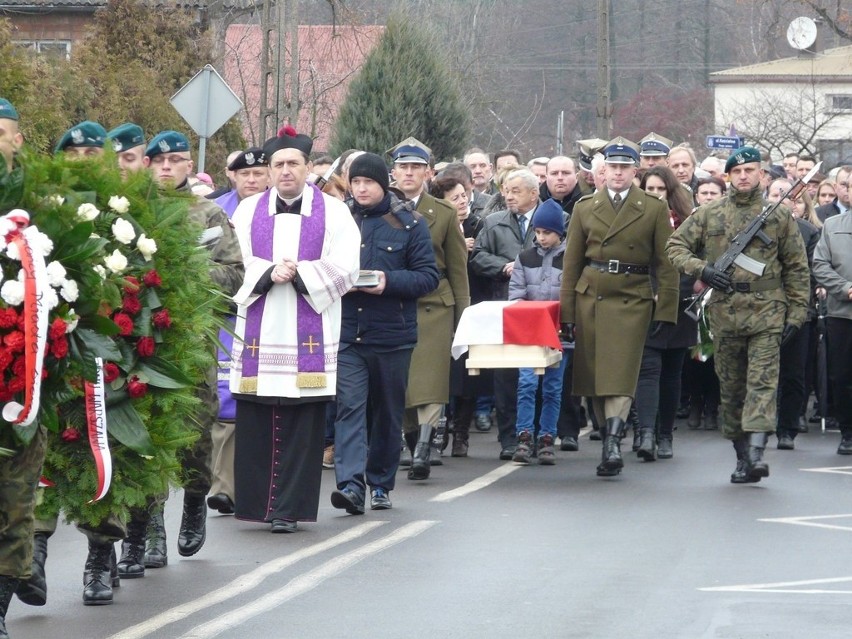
<point x="724" y="142"/>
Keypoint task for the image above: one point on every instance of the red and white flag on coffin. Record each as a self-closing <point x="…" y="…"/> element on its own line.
<point x="518" y="322"/>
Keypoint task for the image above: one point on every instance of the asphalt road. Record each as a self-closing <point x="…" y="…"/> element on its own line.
<point x="489" y="549"/>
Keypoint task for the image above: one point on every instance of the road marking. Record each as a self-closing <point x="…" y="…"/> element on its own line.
<point x="811" y="521"/>
<point x="840" y="470"/>
<point x="788" y="587"/>
<point x="477" y="484"/>
<point x="306" y="582"/>
<point x="243" y="583"/>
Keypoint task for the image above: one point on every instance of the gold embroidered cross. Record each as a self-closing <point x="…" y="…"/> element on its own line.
<point x="310" y="344"/>
<point x="253" y="347"/>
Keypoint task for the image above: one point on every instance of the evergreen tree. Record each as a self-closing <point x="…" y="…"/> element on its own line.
<point x="405" y="88"/>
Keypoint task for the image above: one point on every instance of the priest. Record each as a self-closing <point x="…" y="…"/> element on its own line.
<point x="301" y="254"/>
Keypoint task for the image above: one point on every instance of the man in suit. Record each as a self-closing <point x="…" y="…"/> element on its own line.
<point x="438" y="312"/>
<point x="616" y="237"/>
<point x="841" y="201"/>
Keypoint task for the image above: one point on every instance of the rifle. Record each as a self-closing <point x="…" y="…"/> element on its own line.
<point x="734" y="254"/>
<point x="321" y="180"/>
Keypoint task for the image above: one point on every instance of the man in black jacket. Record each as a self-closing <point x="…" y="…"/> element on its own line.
<point x="561" y="184"/>
<point x="841" y="202"/>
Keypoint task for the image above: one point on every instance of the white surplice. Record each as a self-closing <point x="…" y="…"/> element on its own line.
<point x="326" y="279"/>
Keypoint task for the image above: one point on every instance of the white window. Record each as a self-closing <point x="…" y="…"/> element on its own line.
<point x="59" y="48"/>
<point x="839" y="102"/>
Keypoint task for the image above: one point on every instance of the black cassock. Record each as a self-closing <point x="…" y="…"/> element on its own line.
<point x="278" y="459"/>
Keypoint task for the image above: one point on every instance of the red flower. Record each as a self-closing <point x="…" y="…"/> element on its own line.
<point x="111" y="372"/>
<point x="59" y="347"/>
<point x="131" y="304"/>
<point x="152" y="279"/>
<point x="8" y="318"/>
<point x="145" y="346"/>
<point x="6" y="358"/>
<point x="135" y="388"/>
<point x="14" y="341"/>
<point x="70" y="435"/>
<point x="19" y="367"/>
<point x="17" y="384"/>
<point x="57" y="328"/>
<point x="5" y="393"/>
<point x="124" y="322"/>
<point x="131" y="285"/>
<point x="161" y="319"/>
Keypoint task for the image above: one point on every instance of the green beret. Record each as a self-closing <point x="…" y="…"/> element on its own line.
<point x="167" y="142"/>
<point x="126" y="136"/>
<point x="84" y="134"/>
<point x="742" y="155"/>
<point x="7" y="111"/>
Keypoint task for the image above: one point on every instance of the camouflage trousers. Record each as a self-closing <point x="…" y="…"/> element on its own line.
<point x="19" y="477"/>
<point x="747" y="367"/>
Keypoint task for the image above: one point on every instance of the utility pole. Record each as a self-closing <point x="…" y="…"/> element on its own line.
<point x="278" y="20"/>
<point x="267" y="68"/>
<point x="604" y="110"/>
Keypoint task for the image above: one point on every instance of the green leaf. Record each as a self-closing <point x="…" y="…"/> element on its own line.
<point x="92" y="344"/>
<point x="162" y="373"/>
<point x="125" y="425"/>
<point x="100" y="324"/>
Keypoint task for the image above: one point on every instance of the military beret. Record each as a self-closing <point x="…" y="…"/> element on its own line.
<point x="653" y="145"/>
<point x="742" y="155"/>
<point x="411" y="151"/>
<point x="7" y="111"/>
<point x="588" y="149"/>
<point x="287" y="138"/>
<point x="84" y="134"/>
<point x="126" y="136"/>
<point x="249" y="158"/>
<point x="621" y="151"/>
<point x="167" y="142"/>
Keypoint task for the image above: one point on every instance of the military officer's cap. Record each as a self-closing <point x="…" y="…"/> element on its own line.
<point x="7" y="111"/>
<point x="84" y="134"/>
<point x="410" y="151"/>
<point x="167" y="142"/>
<point x="287" y="138"/>
<point x="126" y="136"/>
<point x="621" y="151"/>
<point x="742" y="155"/>
<point x="249" y="159"/>
<point x="587" y="150"/>
<point x="653" y="145"/>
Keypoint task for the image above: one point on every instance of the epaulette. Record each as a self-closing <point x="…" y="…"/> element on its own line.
<point x="586" y="197"/>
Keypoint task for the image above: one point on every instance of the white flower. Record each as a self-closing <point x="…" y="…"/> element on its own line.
<point x="55" y="273"/>
<point x="50" y="299"/>
<point x="1" y="275"/>
<point x="71" y="321"/>
<point x="100" y="270"/>
<point x="40" y="241"/>
<point x="13" y="252"/>
<point x="123" y="231"/>
<point x="119" y="204"/>
<point x="146" y="246"/>
<point x="69" y="291"/>
<point x="116" y="262"/>
<point x="12" y="292"/>
<point x="87" y="211"/>
<point x="56" y="200"/>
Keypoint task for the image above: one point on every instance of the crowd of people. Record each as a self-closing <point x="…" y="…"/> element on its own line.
<point x="348" y="278"/>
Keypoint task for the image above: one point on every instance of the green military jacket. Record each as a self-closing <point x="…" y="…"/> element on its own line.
<point x="782" y="292"/>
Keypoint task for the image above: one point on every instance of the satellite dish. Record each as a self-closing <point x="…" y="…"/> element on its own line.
<point x="802" y="33"/>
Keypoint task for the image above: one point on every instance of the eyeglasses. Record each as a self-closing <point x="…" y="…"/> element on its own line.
<point x="171" y="159"/>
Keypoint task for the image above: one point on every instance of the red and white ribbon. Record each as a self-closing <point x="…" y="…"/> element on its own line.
<point x="36" y="313"/>
<point x="97" y="427"/>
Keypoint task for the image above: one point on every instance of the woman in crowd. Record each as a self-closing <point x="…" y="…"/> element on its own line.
<point x="826" y="193"/>
<point x="658" y="388"/>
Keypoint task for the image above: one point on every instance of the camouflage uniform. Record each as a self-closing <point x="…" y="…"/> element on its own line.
<point x="747" y="326"/>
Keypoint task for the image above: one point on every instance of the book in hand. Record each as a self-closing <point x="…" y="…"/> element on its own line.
<point x="366" y="279"/>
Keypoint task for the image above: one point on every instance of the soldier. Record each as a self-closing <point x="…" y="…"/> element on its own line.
<point x="615" y="238"/>
<point x="586" y="150"/>
<point x="750" y="315"/>
<point x="128" y="142"/>
<point x="84" y="140"/>
<point x="654" y="149"/>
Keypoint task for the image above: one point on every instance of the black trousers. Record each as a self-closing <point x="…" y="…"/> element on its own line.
<point x="658" y="388"/>
<point x="839" y="333"/>
<point x="571" y="418"/>
<point x="506" y="404"/>
<point x="791" y="381"/>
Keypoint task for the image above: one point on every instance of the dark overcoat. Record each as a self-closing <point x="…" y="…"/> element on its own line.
<point x="612" y="311"/>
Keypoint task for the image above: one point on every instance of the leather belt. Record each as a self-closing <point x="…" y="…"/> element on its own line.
<point x="617" y="266"/>
<point x="757" y="286"/>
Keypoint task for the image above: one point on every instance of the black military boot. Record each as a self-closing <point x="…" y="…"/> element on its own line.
<point x="193" y="525"/>
<point x="420" y="466"/>
<point x="33" y="591"/>
<point x="647" y="449"/>
<point x="132" y="562"/>
<point x="156" y="549"/>
<point x="741" y="473"/>
<point x="611" y="461"/>
<point x="8" y="586"/>
<point x="664" y="447"/>
<point x="758" y="469"/>
<point x="439" y="438"/>
<point x="633" y="422"/>
<point x="100" y="575"/>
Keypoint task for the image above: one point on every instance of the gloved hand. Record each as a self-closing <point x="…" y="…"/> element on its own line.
<point x="715" y="278"/>
<point x="569" y="332"/>
<point x="788" y="333"/>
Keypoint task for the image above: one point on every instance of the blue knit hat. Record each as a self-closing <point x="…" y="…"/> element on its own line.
<point x="549" y="216"/>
